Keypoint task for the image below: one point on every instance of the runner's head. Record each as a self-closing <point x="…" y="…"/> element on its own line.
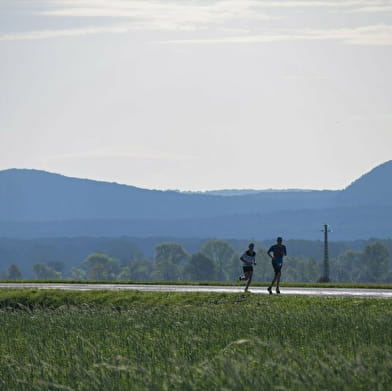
<point x="279" y="240"/>
<point x="251" y="246"/>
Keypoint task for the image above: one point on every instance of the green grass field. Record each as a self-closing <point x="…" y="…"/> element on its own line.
<point x="365" y="285"/>
<point x="56" y="340"/>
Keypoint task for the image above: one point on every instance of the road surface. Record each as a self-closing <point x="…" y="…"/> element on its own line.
<point x="339" y="292"/>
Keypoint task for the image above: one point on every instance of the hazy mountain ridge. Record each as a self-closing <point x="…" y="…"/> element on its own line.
<point x="40" y="204"/>
<point x="31" y="195"/>
<point x="374" y="187"/>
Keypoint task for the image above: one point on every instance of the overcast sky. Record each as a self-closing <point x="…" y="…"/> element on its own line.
<point x="197" y="95"/>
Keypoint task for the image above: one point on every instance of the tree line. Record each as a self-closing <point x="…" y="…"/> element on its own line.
<point x="215" y="260"/>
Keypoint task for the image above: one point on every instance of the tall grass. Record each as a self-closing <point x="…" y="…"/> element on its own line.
<point x="365" y="285"/>
<point x="169" y="341"/>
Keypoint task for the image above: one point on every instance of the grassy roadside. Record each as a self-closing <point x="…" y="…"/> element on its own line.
<point x="212" y="283"/>
<point x="127" y="340"/>
<point x="31" y="299"/>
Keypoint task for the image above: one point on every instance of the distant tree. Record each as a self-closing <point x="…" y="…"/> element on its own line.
<point x="347" y="267"/>
<point x="78" y="274"/>
<point x="56" y="265"/>
<point x="170" y="258"/>
<point x="375" y="263"/>
<point x="124" y="249"/>
<point x="312" y="272"/>
<point x="101" y="267"/>
<point x="263" y="270"/>
<point x="125" y="274"/>
<point x="14" y="273"/>
<point x="138" y="270"/>
<point x="45" y="272"/>
<point x="165" y="270"/>
<point x="300" y="270"/>
<point x="200" y="268"/>
<point x="222" y="254"/>
<point x="172" y="252"/>
<point x="233" y="268"/>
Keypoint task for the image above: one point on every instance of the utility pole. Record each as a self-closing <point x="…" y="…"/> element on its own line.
<point x="325" y="277"/>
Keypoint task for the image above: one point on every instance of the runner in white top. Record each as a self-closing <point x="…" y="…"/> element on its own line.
<point x="249" y="259"/>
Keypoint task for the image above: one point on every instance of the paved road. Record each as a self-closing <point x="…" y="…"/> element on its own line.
<point x="341" y="292"/>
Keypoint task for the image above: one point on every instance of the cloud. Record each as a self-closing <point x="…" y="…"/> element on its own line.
<point x="121" y="16"/>
<point x="352" y="5"/>
<point x="222" y="9"/>
<point x="44" y="34"/>
<point x="377" y="35"/>
<point x="164" y="14"/>
<point x="220" y="16"/>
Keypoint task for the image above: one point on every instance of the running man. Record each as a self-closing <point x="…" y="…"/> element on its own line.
<point x="276" y="253"/>
<point x="249" y="259"/>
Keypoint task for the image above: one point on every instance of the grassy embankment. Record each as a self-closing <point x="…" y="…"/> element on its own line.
<point x="58" y="340"/>
<point x="215" y="283"/>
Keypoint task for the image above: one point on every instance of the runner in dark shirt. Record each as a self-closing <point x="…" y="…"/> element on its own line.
<point x="277" y="252"/>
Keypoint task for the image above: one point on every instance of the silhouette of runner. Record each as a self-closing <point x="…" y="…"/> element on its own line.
<point x="277" y="252"/>
<point x="249" y="259"/>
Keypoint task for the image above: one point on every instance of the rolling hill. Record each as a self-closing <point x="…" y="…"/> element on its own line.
<point x="40" y="204"/>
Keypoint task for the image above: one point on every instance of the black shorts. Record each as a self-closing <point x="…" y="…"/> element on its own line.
<point x="277" y="267"/>
<point x="247" y="269"/>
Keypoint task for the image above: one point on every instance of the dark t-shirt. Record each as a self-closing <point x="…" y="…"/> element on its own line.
<point x="279" y="251"/>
